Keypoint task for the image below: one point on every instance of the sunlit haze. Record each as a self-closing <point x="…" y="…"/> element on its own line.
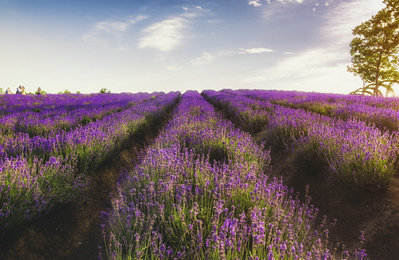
<point x="155" y="45"/>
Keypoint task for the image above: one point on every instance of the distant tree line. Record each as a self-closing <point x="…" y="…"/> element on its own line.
<point x="21" y="90"/>
<point x="40" y="91"/>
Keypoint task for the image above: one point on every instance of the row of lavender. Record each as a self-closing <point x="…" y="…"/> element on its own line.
<point x="38" y="172"/>
<point x="351" y="151"/>
<point x="202" y="191"/>
<point x="378" y="102"/>
<point x="49" y="102"/>
<point x="47" y="115"/>
<point x="383" y="112"/>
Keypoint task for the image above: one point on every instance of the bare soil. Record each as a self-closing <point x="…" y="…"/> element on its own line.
<point x="73" y="230"/>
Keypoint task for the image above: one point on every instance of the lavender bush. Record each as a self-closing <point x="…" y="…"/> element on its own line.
<point x="358" y="154"/>
<point x="383" y="112"/>
<point x="177" y="204"/>
<point x="38" y="172"/>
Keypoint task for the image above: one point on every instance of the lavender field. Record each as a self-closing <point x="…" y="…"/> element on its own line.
<point x="231" y="174"/>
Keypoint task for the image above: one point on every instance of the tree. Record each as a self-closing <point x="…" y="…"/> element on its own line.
<point x="104" y="90"/>
<point x="66" y="91"/>
<point x="374" y="51"/>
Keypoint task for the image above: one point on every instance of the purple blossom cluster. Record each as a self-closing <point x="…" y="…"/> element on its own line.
<point x="251" y="115"/>
<point x="48" y="117"/>
<point x="202" y="191"/>
<point x="356" y="153"/>
<point x="40" y="171"/>
<point x="311" y="97"/>
<point x="29" y="188"/>
<point x="49" y="102"/>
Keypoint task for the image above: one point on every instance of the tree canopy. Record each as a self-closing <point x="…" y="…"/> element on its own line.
<point x="104" y="90"/>
<point x="374" y="51"/>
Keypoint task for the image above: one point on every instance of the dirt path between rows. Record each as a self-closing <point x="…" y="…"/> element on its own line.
<point x="72" y="230"/>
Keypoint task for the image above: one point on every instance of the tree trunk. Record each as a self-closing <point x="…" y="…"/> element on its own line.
<point x="377" y="83"/>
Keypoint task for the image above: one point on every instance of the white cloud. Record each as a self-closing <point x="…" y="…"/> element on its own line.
<point x="280" y="6"/>
<point x="118" y="26"/>
<point x="345" y="16"/>
<point x="193" y="12"/>
<point x="333" y="79"/>
<point x="255" y="3"/>
<point x="165" y="35"/>
<point x="98" y="34"/>
<point x="136" y="19"/>
<point x="288" y="53"/>
<point x="258" y="3"/>
<point x="254" y="51"/>
<point x="205" y="58"/>
<point x="190" y="15"/>
<point x="318" y="69"/>
<point x="284" y="2"/>
<point x="306" y="64"/>
<point x="324" y="64"/>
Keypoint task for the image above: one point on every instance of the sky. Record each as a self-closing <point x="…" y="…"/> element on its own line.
<point x="169" y="45"/>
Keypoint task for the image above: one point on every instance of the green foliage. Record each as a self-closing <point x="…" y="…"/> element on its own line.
<point x="66" y="91"/>
<point x="374" y="51"/>
<point x="42" y="92"/>
<point x="1" y="91"/>
<point x="104" y="90"/>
